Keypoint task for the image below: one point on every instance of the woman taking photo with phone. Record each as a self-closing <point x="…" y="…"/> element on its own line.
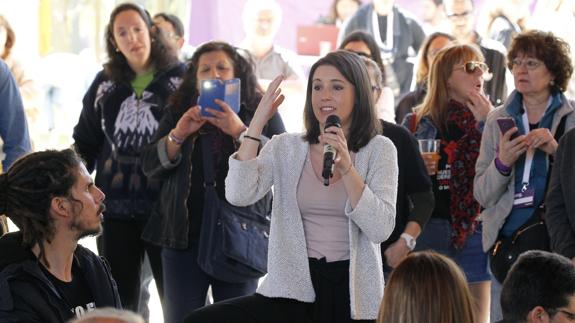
<point x="176" y="157"/>
<point x="513" y="170"/>
<point x="452" y="114"/>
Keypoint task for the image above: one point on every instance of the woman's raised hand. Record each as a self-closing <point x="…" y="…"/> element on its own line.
<point x="269" y="104"/>
<point x="479" y="105"/>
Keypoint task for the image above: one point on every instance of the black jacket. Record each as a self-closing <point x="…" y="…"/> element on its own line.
<point x="27" y="295"/>
<point x="113" y="128"/>
<point x="560" y="204"/>
<point x="494" y="54"/>
<point x="170" y="224"/>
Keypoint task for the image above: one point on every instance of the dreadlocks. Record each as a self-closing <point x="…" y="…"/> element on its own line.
<point x="27" y="189"/>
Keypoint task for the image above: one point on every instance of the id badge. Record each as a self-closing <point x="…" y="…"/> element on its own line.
<point x="524" y="199"/>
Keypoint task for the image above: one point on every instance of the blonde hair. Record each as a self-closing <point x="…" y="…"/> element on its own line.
<point x="438" y="94"/>
<point x="427" y="287"/>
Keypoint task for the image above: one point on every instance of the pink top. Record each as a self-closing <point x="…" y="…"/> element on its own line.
<point x="322" y="208"/>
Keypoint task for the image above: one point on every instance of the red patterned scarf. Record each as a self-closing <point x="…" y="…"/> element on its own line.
<point x="463" y="207"/>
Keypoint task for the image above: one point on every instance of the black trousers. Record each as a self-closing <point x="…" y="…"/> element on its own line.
<point x="121" y="245"/>
<point x="332" y="305"/>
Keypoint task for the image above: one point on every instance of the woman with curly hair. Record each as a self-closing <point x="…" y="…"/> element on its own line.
<point x="514" y="167"/>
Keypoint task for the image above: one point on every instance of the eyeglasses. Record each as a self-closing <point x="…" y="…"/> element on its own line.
<point x="458" y="15"/>
<point x="471" y="66"/>
<point x="529" y="63"/>
<point x="170" y="35"/>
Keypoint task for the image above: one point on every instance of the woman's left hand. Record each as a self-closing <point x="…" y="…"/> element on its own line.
<point x="479" y="105"/>
<point x="543" y="139"/>
<point x="335" y="137"/>
<point x="227" y="120"/>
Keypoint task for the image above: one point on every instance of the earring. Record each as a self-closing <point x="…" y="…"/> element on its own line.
<point x="552" y="83"/>
<point x="117" y="50"/>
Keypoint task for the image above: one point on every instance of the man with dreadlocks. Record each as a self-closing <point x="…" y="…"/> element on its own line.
<point x="45" y="275"/>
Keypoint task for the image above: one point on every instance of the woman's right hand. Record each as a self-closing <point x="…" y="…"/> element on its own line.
<point x="269" y="104"/>
<point x="190" y="122"/>
<point x="511" y="150"/>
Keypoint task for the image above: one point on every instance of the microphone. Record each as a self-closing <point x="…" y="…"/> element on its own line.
<point x="329" y="153"/>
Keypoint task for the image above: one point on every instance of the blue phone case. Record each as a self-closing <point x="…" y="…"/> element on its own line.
<point x="227" y="91"/>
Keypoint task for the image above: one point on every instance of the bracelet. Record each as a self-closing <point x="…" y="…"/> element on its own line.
<point x="253" y="138"/>
<point x="174" y="139"/>
<point x="348" y="169"/>
<point x="502" y="168"/>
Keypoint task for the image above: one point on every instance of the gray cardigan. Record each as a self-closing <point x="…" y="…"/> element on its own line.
<point x="493" y="190"/>
<point x="280" y="163"/>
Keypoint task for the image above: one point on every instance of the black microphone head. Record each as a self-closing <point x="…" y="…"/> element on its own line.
<point x="332" y="121"/>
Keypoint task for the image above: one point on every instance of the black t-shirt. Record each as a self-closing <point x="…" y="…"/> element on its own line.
<point x="77" y="293"/>
<point x="412" y="178"/>
<point x="441" y="181"/>
<point x="382" y="21"/>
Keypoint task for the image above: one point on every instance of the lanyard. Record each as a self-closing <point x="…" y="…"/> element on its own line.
<point x="530" y="154"/>
<point x="386" y="46"/>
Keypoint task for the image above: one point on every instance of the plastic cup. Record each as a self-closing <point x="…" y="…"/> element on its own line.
<point x="429" y="149"/>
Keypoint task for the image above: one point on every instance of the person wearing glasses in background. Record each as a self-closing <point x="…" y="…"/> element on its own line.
<point x="540" y="287"/>
<point x="173" y="30"/>
<point x="541" y="68"/>
<point x="460" y="14"/>
<point x="432" y="45"/>
<point x="453" y="112"/>
<point x="363" y="44"/>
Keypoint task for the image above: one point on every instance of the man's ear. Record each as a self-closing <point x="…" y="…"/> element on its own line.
<point x="537" y="314"/>
<point x="59" y="206"/>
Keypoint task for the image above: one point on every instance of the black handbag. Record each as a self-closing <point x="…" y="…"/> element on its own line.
<point x="233" y="242"/>
<point x="532" y="235"/>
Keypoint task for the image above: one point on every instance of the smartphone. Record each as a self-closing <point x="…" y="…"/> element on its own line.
<point x="227" y="91"/>
<point x="505" y="124"/>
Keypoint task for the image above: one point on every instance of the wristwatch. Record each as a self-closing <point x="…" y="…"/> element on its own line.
<point x="409" y="240"/>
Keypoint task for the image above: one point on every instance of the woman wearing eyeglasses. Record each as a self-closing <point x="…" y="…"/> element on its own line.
<point x="363" y="44"/>
<point x="512" y="169"/>
<point x="453" y="113"/>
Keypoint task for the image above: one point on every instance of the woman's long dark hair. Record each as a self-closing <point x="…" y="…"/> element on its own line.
<point x="251" y="92"/>
<point x="162" y="56"/>
<point x="364" y="122"/>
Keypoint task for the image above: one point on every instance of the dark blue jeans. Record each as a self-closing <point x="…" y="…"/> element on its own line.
<point x="186" y="284"/>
